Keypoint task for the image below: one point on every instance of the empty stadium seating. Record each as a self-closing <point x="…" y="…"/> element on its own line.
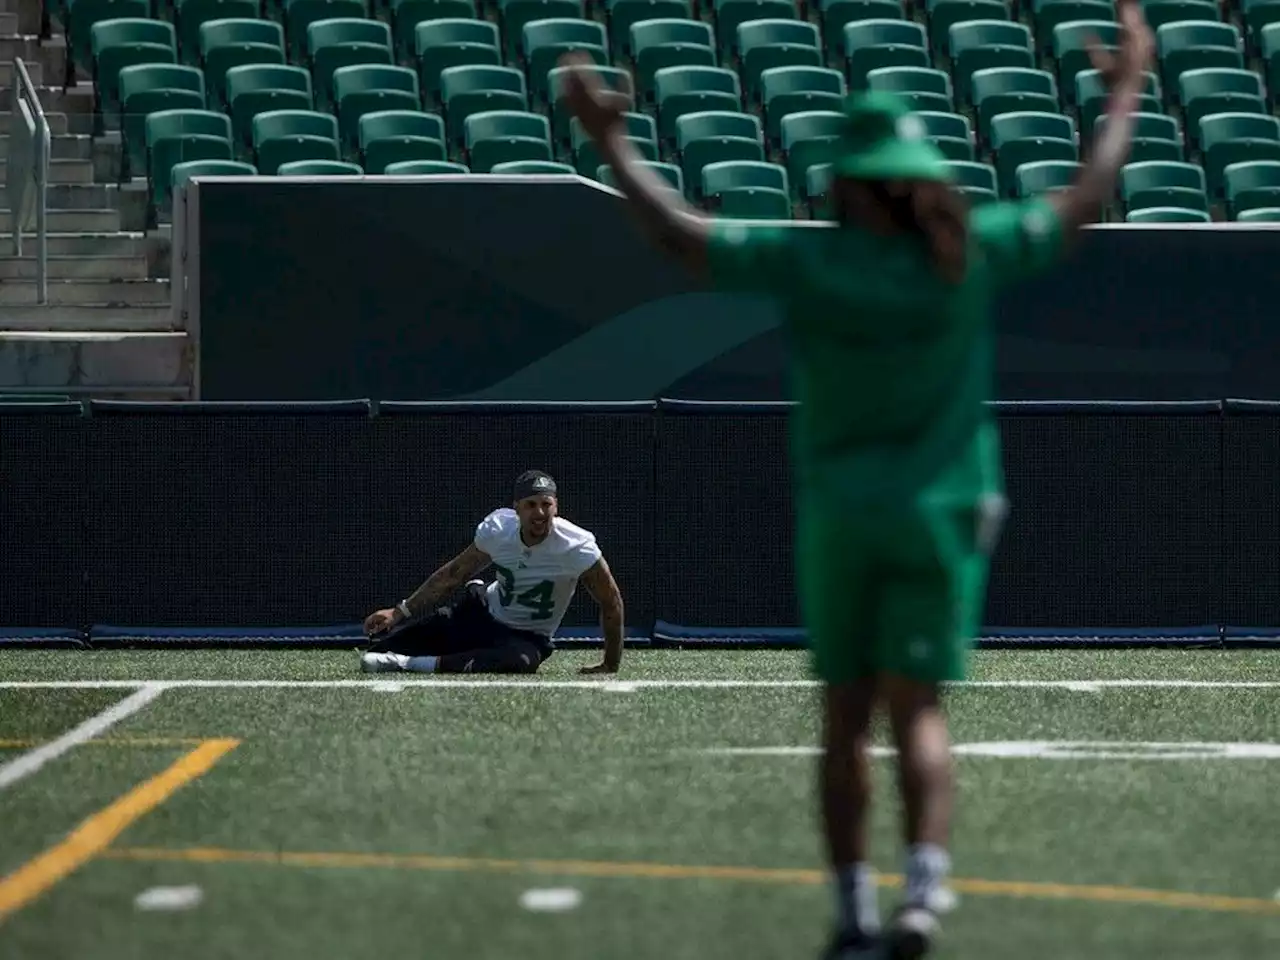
<point x="736" y="102"/>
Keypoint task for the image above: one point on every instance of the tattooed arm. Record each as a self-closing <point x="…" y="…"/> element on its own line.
<point x="438" y="586"/>
<point x="600" y="583"/>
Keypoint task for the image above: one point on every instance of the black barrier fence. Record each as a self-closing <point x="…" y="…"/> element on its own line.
<point x="251" y="516"/>
<point x="511" y="289"/>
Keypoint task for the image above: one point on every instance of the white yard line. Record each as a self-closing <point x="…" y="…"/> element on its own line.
<point x="608" y="686"/>
<point x="31" y="761"/>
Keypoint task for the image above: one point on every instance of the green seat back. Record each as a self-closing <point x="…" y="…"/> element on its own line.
<point x="785" y="90"/>
<point x="476" y="89"/>
<point x="1044" y="176"/>
<point x="944" y="14"/>
<point x="441" y="44"/>
<point x="424" y="168"/>
<point x="300" y="14"/>
<point x="231" y="43"/>
<point x="85" y="14"/>
<point x="730" y="14"/>
<point x="1209" y="91"/>
<point x="182" y="172"/>
<point x="753" y="203"/>
<point x="358" y="90"/>
<point x="499" y="136"/>
<point x="544" y="42"/>
<point x="668" y="171"/>
<point x="986" y="44"/>
<point x="1260" y="215"/>
<point x="1071" y="43"/>
<point x="809" y="139"/>
<point x="1196" y="45"/>
<point x="407" y="14"/>
<point x="526" y="168"/>
<point x="658" y="44"/>
<point x="1162" y="184"/>
<point x="1166" y="215"/>
<point x="641" y="132"/>
<point x="556" y="89"/>
<point x="319" y="168"/>
<point x="954" y="125"/>
<point x="837" y="13"/>
<point x="739" y="174"/>
<point x="1252" y="184"/>
<point x="120" y="43"/>
<point x="980" y="176"/>
<point x="1049" y="15"/>
<point x="516" y="13"/>
<point x="624" y="13"/>
<point x="191" y="14"/>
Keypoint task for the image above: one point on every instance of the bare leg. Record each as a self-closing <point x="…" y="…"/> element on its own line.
<point x="845" y="785"/>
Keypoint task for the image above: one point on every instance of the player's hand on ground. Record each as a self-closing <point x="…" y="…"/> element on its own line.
<point x="595" y="105"/>
<point x="601" y="667"/>
<point x="1127" y="65"/>
<point x="381" y="621"/>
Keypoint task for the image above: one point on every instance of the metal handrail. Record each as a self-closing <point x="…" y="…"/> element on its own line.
<point x="26" y="91"/>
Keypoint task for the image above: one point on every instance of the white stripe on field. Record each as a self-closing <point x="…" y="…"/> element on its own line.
<point x="611" y="686"/>
<point x="1051" y="750"/>
<point x="34" y="759"/>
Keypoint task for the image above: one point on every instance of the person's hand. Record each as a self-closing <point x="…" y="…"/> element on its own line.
<point x="595" y="105"/>
<point x="381" y="621"/>
<point x="602" y="667"/>
<point x="1125" y="68"/>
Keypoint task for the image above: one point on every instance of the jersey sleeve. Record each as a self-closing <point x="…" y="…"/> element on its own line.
<point x="488" y="532"/>
<point x="1019" y="239"/>
<point x="585" y="555"/>
<point x="753" y="258"/>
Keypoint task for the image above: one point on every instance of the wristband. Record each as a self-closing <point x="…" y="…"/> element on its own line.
<point x="403" y="607"/>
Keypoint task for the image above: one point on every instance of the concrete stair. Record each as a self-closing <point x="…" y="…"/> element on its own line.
<point x="108" y="329"/>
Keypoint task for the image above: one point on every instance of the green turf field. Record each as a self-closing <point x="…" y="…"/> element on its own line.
<point x="325" y="814"/>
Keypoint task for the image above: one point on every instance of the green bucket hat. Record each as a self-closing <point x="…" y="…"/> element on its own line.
<point x="883" y="141"/>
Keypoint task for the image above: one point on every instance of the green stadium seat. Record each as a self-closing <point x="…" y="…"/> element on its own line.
<point x="974" y="176"/>
<point x="1227" y="138"/>
<point x="468" y="90"/>
<point x="80" y="18"/>
<point x="1155" y="137"/>
<point x="836" y="13"/>
<point x="177" y="136"/>
<point x="1048" y="14"/>
<point x="182" y="172"/>
<point x="641" y="132"/>
<point x="335" y="44"/>
<point x="1160" y="12"/>
<point x="516" y="13"/>
<point x="1156" y="184"/>
<point x="668" y="171"/>
<point x="1269" y="43"/>
<point x="1260" y="215"/>
<point x="1166" y="215"/>
<point x="407" y="14"/>
<point x="359" y="90"/>
<point x="808" y="140"/>
<point x="1258" y="15"/>
<point x="876" y="44"/>
<point x="529" y="168"/>
<point x="769" y="44"/>
<point x="319" y="168"/>
<point x="714" y="136"/>
<point x="1012" y="90"/>
<point x="191" y="14"/>
<point x="622" y="14"/>
<point x="681" y="90"/>
<point x="425" y="168"/>
<point x="148" y="88"/>
<point x="258" y="87"/>
<point x="742" y="174"/>
<point x="657" y="44"/>
<point x="546" y="41"/>
<point x="950" y="133"/>
<point x="388" y="137"/>
<point x="1205" y="92"/>
<point x="730" y="14"/>
<point x="280" y="136"/>
<point x="1018" y="138"/>
<point x="233" y="43"/>
<point x="1071" y="43"/>
<point x="300" y="14"/>
<point x="117" y="44"/>
<point x="1091" y="95"/>
<point x="498" y="136"/>
<point x="1196" y="46"/>
<point x="1252" y="184"/>
<point x="787" y="90"/>
<point x="752" y="203"/>
<point x="612" y="77"/>
<point x="441" y="44"/>
<point x="977" y="196"/>
<point x="983" y="45"/>
<point x="944" y="14"/>
<point x="922" y="88"/>
<point x="1045" y="176"/>
<point x="817" y="183"/>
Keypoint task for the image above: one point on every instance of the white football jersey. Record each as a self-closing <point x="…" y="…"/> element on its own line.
<point x="534" y="584"/>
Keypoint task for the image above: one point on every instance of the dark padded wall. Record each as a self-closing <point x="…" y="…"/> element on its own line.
<point x="1251" y="514"/>
<point x="200" y="516"/>
<point x="438" y="472"/>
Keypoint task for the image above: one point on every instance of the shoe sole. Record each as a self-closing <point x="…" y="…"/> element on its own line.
<point x="908" y="945"/>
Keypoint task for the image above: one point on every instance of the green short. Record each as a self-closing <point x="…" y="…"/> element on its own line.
<point x="897" y="590"/>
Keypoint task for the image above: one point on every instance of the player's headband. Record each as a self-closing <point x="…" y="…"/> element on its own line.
<point x="535" y="485"/>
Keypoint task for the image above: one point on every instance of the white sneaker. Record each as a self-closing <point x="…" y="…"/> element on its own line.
<point x="383" y="662"/>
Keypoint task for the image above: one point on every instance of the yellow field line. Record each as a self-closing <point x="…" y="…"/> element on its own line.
<point x="662" y="871"/>
<point x="96" y="833"/>
<point x="25" y="743"/>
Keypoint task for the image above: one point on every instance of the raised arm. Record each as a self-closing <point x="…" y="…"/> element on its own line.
<point x="437" y="587"/>
<point x="666" y="219"/>
<point x="600" y="584"/>
<point x="1125" y="75"/>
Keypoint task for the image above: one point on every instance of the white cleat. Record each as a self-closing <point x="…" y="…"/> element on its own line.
<point x="384" y="662"/>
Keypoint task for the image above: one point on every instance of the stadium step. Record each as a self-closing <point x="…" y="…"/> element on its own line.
<point x="76" y="268"/>
<point x="94" y="293"/>
<point x="57" y="121"/>
<point x="72" y="221"/>
<point x="86" y="244"/>
<point x="151" y="318"/>
<point x="8" y="71"/>
<point x="48" y="358"/>
<point x="63" y="146"/>
<point x="61" y="171"/>
<point x="8" y="24"/>
<point x="51" y="54"/>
